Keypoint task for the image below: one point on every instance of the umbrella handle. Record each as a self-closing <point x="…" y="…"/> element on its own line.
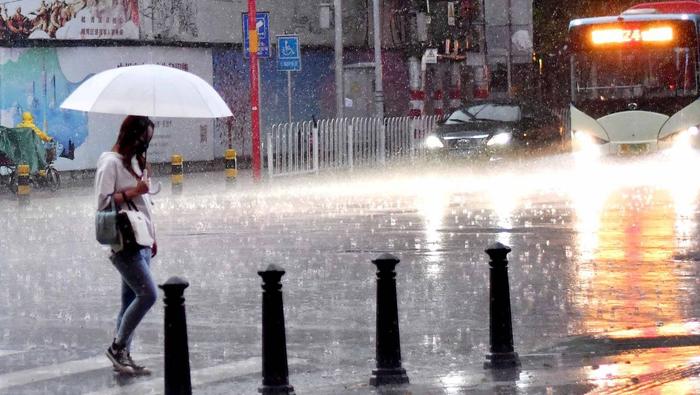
<point x="156" y="190"/>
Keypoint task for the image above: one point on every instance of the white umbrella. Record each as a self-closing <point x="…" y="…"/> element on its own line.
<point x="149" y="90"/>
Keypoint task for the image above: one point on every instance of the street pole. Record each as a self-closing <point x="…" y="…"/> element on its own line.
<point x="339" y="94"/>
<point x="254" y="88"/>
<point x="378" y="86"/>
<point x="289" y="95"/>
<point x="510" y="48"/>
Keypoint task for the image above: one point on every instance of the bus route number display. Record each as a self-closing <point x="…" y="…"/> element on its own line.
<point x="622" y="36"/>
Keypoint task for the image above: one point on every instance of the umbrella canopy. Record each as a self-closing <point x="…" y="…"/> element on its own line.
<point x="150" y="90"/>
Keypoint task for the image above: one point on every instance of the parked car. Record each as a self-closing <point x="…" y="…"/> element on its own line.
<point x="494" y="129"/>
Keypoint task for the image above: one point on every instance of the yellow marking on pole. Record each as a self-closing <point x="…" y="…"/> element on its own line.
<point x="176" y="176"/>
<point x="253" y="40"/>
<point x="23" y="187"/>
<point x="231" y="165"/>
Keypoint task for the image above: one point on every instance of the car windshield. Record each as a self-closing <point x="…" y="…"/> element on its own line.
<point x="485" y="112"/>
<point x="625" y="74"/>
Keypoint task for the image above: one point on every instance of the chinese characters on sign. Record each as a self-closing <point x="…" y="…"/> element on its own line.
<point x="96" y="19"/>
<point x="288" y="53"/>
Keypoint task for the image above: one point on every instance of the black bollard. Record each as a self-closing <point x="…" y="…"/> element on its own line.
<point x="275" y="371"/>
<point x="502" y="353"/>
<point x="177" y="356"/>
<point x="389" y="370"/>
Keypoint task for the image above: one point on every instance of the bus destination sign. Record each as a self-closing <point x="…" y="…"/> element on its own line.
<point x="659" y="34"/>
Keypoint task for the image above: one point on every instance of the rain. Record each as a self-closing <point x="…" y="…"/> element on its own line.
<point x="565" y="133"/>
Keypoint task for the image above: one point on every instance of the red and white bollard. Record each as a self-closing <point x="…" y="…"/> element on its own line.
<point x="481" y="83"/>
<point x="417" y="103"/>
<point x="417" y="95"/>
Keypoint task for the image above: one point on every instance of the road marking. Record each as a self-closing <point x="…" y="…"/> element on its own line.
<point x="198" y="377"/>
<point x="4" y="353"/>
<point x="48" y="372"/>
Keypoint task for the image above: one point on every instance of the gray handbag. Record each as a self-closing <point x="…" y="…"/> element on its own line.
<point x="106" y="230"/>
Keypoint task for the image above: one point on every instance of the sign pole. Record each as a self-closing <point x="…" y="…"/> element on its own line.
<point x="254" y="88"/>
<point x="289" y="94"/>
<point x="288" y="59"/>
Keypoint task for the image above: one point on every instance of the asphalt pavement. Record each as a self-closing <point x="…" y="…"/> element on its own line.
<point x="603" y="279"/>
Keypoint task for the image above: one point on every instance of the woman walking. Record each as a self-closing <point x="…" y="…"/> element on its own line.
<point x="122" y="175"/>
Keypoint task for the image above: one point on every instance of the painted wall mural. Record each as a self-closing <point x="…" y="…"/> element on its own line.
<point x="37" y="80"/>
<point x="80" y="19"/>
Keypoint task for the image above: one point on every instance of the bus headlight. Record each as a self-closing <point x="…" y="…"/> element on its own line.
<point x="587" y="140"/>
<point x="499" y="139"/>
<point x="683" y="139"/>
<point x="433" y="142"/>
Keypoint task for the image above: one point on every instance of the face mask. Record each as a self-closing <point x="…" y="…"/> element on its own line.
<point x="142" y="146"/>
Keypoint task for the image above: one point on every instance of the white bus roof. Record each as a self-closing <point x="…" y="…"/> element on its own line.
<point x="633" y="18"/>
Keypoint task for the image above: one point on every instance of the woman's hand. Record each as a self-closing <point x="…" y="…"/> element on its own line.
<point x="154" y="249"/>
<point x="141" y="188"/>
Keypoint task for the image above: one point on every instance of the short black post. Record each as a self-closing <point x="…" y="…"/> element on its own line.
<point x="502" y="353"/>
<point x="275" y="371"/>
<point x="389" y="370"/>
<point x="177" y="355"/>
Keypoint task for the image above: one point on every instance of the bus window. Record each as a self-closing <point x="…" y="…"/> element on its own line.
<point x="618" y="74"/>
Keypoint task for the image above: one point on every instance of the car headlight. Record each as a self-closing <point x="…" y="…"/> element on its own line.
<point x="433" y="142"/>
<point x="500" y="139"/>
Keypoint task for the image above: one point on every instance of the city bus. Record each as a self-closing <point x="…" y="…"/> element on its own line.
<point x="634" y="80"/>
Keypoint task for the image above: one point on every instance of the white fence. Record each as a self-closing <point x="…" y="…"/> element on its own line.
<point x="344" y="143"/>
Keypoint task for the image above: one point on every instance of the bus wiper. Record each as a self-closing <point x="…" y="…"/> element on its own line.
<point x="472" y="116"/>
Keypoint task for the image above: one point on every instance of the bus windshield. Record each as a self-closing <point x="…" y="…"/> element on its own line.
<point x="625" y="74"/>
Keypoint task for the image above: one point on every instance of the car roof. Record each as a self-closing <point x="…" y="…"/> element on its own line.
<point x="528" y="107"/>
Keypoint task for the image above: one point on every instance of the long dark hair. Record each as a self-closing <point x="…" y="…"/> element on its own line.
<point x="133" y="135"/>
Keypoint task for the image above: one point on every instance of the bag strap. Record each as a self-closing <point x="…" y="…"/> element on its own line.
<point x="129" y="203"/>
<point x="112" y="203"/>
<point x="132" y="205"/>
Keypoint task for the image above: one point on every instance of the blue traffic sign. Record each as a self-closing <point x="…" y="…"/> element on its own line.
<point x="288" y="53"/>
<point x="262" y="22"/>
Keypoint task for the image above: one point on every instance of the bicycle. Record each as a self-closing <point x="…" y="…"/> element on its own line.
<point x="48" y="177"/>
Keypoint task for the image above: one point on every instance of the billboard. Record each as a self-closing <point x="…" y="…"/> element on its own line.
<point x="37" y="80"/>
<point x="75" y="20"/>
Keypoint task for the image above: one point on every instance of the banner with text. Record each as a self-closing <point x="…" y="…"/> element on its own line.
<point x="75" y="20"/>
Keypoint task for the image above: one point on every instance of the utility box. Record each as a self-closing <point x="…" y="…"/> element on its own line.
<point x="359" y="90"/>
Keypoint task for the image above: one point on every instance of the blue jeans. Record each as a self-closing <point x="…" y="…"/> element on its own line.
<point x="139" y="291"/>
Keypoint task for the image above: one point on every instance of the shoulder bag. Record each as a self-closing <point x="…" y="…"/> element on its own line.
<point x="134" y="228"/>
<point x="106" y="230"/>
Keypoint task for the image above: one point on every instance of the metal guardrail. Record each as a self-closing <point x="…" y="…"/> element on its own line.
<point x="307" y="147"/>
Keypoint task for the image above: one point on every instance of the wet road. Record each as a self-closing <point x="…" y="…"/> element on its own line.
<point x="606" y="250"/>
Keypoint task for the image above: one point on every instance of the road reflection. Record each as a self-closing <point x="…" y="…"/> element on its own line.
<point x="630" y="284"/>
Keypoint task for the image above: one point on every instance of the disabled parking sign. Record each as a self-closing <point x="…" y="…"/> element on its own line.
<point x="288" y="53"/>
